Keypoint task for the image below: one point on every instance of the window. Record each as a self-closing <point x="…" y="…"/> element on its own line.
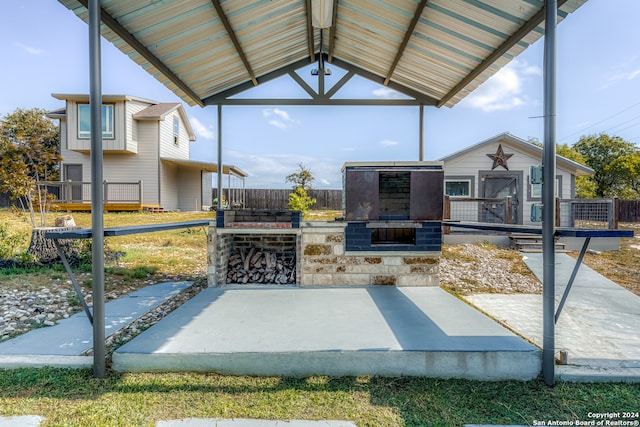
<point x="176" y="130"/>
<point x="458" y="188"/>
<point x="84" y="121"/>
<point x="536" y="189"/>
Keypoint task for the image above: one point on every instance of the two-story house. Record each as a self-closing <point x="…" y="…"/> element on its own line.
<point x="146" y="162"/>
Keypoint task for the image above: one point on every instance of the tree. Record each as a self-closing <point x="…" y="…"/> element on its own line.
<point x="585" y="188"/>
<point x="302" y="178"/>
<point x="299" y="200"/>
<point x="599" y="152"/>
<point x="626" y="171"/>
<point x="29" y="152"/>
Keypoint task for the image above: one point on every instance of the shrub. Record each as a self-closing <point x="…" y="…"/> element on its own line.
<point x="301" y="201"/>
<point x="9" y="241"/>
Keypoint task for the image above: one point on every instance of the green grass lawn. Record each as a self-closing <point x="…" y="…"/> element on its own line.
<point x="73" y="397"/>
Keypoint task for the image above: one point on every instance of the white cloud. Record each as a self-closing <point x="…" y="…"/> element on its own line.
<point x="325" y="182"/>
<point x="278" y="118"/>
<point x="387" y="93"/>
<point x="504" y="90"/>
<point x="278" y="124"/>
<point x="389" y="143"/>
<point x="29" y="49"/>
<point x="202" y="130"/>
<point x="626" y="70"/>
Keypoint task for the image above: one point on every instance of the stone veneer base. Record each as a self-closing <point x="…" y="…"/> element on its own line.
<point x="323" y="260"/>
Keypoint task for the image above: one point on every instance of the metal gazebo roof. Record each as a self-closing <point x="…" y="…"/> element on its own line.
<point x="436" y="51"/>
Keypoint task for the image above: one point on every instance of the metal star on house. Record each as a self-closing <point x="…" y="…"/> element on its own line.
<point x="500" y="158"/>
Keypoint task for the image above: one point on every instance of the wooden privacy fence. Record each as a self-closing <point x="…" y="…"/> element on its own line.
<point x="259" y="198"/>
<point x="628" y="210"/>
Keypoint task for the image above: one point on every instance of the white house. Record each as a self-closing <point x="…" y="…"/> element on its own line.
<point x="498" y="168"/>
<point x="145" y="145"/>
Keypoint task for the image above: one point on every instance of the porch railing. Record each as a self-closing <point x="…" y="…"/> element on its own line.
<point x="479" y="210"/>
<point x="574" y="213"/>
<point x="80" y="192"/>
<point x="587" y="213"/>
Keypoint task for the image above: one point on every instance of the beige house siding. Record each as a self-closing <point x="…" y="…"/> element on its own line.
<point x="118" y="167"/>
<point x="117" y="143"/>
<point x="132" y="107"/>
<point x="63" y="135"/>
<point x="142" y="166"/>
<point x="169" y="186"/>
<point x="190" y="195"/>
<point x="169" y="148"/>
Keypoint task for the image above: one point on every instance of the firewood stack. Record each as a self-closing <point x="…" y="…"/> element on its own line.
<point x="257" y="266"/>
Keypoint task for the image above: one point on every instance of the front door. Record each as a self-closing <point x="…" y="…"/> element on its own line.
<point x="73" y="173"/>
<point x="500" y="186"/>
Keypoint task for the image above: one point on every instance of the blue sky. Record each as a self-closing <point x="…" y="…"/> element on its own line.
<point x="45" y="51"/>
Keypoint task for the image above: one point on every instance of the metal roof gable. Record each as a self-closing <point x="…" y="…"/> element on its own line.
<point x="438" y="50"/>
<point x="519" y="143"/>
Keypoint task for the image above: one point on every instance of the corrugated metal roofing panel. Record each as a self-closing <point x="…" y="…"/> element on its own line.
<point x="452" y="39"/>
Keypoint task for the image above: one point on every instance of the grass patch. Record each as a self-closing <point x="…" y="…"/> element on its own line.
<point x="69" y="397"/>
<point x="140" y="272"/>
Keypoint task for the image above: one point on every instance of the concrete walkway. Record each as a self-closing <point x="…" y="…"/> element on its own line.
<point x="63" y="344"/>
<point x="330" y="331"/>
<point x="599" y="327"/>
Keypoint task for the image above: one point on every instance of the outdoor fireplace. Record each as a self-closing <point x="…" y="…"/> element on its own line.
<point x="393" y="206"/>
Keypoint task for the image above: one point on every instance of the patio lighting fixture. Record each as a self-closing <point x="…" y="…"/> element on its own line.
<point x="321" y="13"/>
<point x="321" y="17"/>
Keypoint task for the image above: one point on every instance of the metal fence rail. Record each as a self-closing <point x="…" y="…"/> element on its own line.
<point x="586" y="213"/>
<point x="80" y="192"/>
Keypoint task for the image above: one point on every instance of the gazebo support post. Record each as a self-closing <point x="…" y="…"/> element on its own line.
<point x="219" y="185"/>
<point x="97" y="191"/>
<point x="548" y="196"/>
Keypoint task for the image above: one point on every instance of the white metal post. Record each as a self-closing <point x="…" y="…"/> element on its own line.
<point x="97" y="191"/>
<point x="548" y="193"/>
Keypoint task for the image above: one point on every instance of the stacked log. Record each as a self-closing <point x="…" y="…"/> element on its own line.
<point x="259" y="266"/>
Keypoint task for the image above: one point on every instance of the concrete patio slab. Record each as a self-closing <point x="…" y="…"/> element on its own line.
<point x="331" y="331"/>
<point x="599" y="327"/>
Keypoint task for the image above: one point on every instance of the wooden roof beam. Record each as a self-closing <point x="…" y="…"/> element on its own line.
<point x="234" y="39"/>
<point x="125" y="35"/>
<point x="405" y="41"/>
<point x="310" y="33"/>
<point x="332" y="31"/>
<point x="528" y="26"/>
